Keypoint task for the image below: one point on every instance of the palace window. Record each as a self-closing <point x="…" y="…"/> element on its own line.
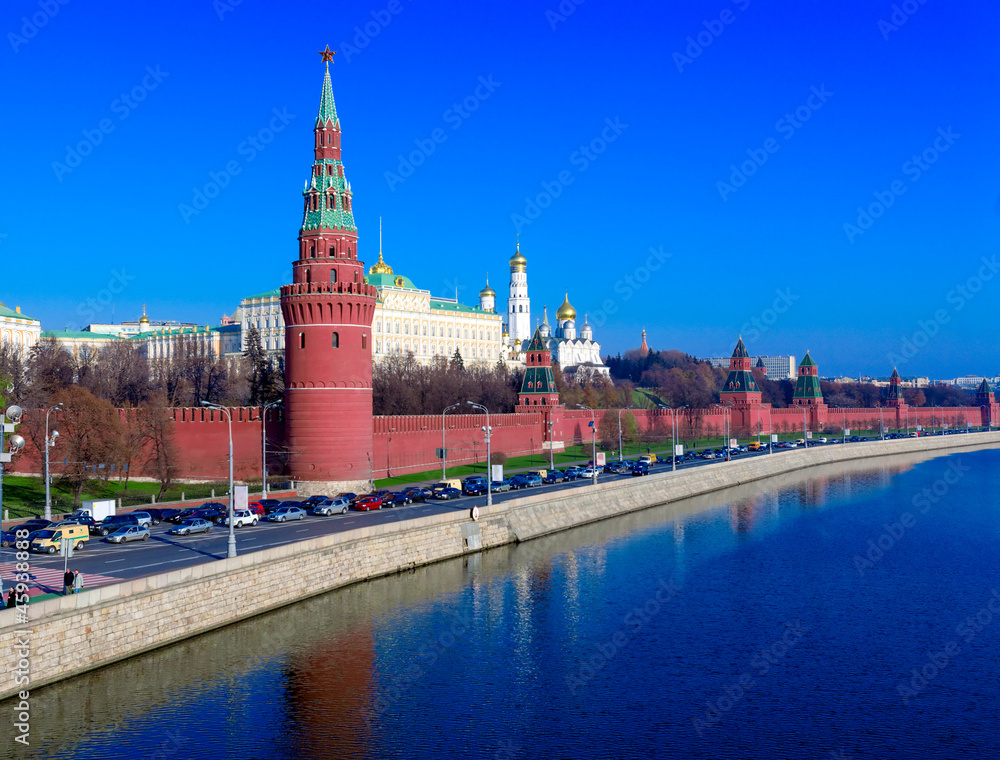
<point x="335" y="341"/>
<point x="333" y="275"/>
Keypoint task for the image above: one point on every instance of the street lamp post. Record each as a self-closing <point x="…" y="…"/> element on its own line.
<point x="50" y="441"/>
<point x="232" y="521"/>
<point x="8" y="420"/>
<point x="881" y="423"/>
<point x="444" y="451"/>
<point x="488" y="432"/>
<point x="770" y="443"/>
<point x="263" y="445"/>
<point x="726" y="429"/>
<point x="620" y="455"/>
<point x="552" y="461"/>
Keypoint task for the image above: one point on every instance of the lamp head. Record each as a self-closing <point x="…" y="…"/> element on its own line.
<point x="16" y="443"/>
<point x="55" y="434"/>
<point x="14" y="413"/>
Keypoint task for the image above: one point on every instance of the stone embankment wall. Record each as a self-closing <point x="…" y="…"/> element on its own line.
<point x="73" y="634"/>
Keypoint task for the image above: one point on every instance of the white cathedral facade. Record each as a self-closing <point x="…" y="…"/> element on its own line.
<point x="576" y="355"/>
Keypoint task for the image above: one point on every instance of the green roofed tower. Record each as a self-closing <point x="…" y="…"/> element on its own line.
<point x="740" y="379"/>
<point x="894" y="393"/>
<point x="807" y="390"/>
<point x="539" y="386"/>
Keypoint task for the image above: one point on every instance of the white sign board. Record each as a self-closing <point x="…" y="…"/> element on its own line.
<point x="809" y="434"/>
<point x="241" y="498"/>
<point x="847" y="432"/>
<point x="733" y="443"/>
<point x="601" y="461"/>
<point x="679" y="450"/>
<point x="919" y="428"/>
<point x="496" y="473"/>
<point x="774" y="439"/>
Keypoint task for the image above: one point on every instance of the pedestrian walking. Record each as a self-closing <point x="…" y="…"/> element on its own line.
<point x="77" y="581"/>
<point x="67" y="582"/>
<point x="12" y="598"/>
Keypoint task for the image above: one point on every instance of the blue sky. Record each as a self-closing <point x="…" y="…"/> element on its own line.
<point x="693" y="188"/>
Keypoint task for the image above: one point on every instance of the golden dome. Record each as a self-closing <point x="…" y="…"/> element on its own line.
<point x="380" y="267"/>
<point x="517" y="261"/>
<point x="144" y="320"/>
<point x="566" y="311"/>
<point x="487" y="291"/>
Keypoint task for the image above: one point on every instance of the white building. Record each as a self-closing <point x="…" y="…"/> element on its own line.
<point x="518" y="303"/>
<point x="17" y="329"/>
<point x="263" y="311"/>
<point x="778" y="367"/>
<point x="576" y="355"/>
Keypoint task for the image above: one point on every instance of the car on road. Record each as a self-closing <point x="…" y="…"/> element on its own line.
<point x="554" y="476"/>
<point x="284" y="514"/>
<point x="129" y="533"/>
<point x="346" y="495"/>
<point x="446" y="494"/>
<point x="587" y="472"/>
<point x="188" y="527"/>
<point x="242" y="517"/>
<point x="78" y="520"/>
<point x="335" y="506"/>
<point x="182" y="515"/>
<point x="640" y="469"/>
<point x="573" y="472"/>
<point x="145" y="519"/>
<point x="316" y="499"/>
<point x="706" y="454"/>
<point x="474" y="487"/>
<point x="499" y="486"/>
<point x="214" y="516"/>
<point x="416" y="493"/>
<point x="269" y="504"/>
<point x="395" y="499"/>
<point x="164" y="514"/>
<point x="10" y="538"/>
<point x="366" y="503"/>
<point x="517" y="482"/>
<point x="111" y="523"/>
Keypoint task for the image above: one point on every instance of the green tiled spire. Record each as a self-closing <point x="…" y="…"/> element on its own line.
<point x="327" y="108"/>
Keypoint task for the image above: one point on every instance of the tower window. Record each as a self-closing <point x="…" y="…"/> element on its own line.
<point x="302" y="340"/>
<point x="355" y="274"/>
<point x="312" y="251"/>
<point x="335" y="342"/>
<point x="333" y="275"/>
<point x="364" y="341"/>
<point x="333" y="251"/>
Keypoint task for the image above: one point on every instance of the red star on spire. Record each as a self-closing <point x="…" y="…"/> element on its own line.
<point x="327" y="54"/>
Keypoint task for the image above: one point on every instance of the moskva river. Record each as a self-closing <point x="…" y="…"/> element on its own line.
<point x="843" y="612"/>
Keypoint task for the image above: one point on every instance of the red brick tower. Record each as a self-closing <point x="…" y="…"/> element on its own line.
<point x="988" y="403"/>
<point x="741" y="392"/>
<point x="539" y="386"/>
<point x="328" y="312"/>
<point x="894" y="393"/>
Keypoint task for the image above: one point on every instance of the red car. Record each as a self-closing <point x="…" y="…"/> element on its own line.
<point x="368" y="502"/>
<point x="256" y="508"/>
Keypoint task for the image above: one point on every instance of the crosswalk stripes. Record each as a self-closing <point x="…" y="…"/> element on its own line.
<point x="52" y="578"/>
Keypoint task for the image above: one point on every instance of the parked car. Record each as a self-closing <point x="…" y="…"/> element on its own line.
<point x="242" y="517"/>
<point x="346" y="495"/>
<point x="587" y="472"/>
<point x="111" y="523"/>
<point x="185" y="514"/>
<point x="397" y="499"/>
<point x="156" y="514"/>
<point x="416" y="493"/>
<point x="367" y="503"/>
<point x="474" y="488"/>
<point x="335" y="506"/>
<point x="145" y="519"/>
<point x="129" y="533"/>
<point x="573" y="472"/>
<point x="446" y="494"/>
<point x="188" y="527"/>
<point x="314" y="500"/>
<point x="269" y="504"/>
<point x="214" y="516"/>
<point x="10" y="538"/>
<point x="257" y="508"/>
<point x="518" y="482"/>
<point x="554" y="476"/>
<point x="77" y="520"/>
<point x="640" y="469"/>
<point x="167" y="515"/>
<point x="283" y="514"/>
<point x="499" y="486"/>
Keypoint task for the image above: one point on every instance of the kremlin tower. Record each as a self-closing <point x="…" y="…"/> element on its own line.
<point x="328" y="312"/>
<point x="518" y="303"/>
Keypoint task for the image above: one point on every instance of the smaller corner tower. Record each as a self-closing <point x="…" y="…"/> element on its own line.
<point x="986" y="400"/>
<point x="539" y="386"/>
<point x="807" y="390"/>
<point x="894" y="393"/>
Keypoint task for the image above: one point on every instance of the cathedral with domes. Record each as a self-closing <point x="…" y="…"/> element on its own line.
<point x="577" y="354"/>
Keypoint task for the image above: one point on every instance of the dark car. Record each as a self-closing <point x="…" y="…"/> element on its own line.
<point x="640" y="469"/>
<point x="213" y="515"/>
<point x="269" y="504"/>
<point x="10" y="537"/>
<point x="396" y="500"/>
<point x="519" y="481"/>
<point x="474" y="488"/>
<point x="167" y="515"/>
<point x="554" y="476"/>
<point x="79" y="520"/>
<point x="156" y="514"/>
<point x="36" y="523"/>
<point x="446" y="494"/>
<point x="415" y="493"/>
<point x="184" y="514"/>
<point x="314" y="500"/>
<point x="111" y="523"/>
